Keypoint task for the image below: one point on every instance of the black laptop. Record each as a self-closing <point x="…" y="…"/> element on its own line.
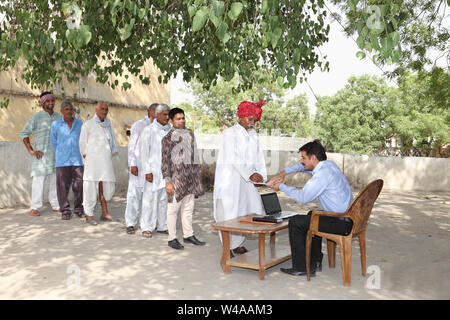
<point x="273" y="210"/>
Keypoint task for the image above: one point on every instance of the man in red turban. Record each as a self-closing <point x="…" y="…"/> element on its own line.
<point x="240" y="164"/>
<point x="247" y="109"/>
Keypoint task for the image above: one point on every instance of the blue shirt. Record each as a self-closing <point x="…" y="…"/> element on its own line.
<point x="65" y="142"/>
<point x="328" y="184"/>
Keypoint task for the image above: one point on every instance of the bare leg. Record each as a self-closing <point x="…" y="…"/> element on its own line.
<point x="105" y="212"/>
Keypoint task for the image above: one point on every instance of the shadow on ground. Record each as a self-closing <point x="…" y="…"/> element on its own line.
<point x="47" y="258"/>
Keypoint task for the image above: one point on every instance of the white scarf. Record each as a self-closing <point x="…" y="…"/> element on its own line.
<point x="107" y="128"/>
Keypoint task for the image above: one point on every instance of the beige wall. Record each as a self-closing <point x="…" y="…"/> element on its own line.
<point x="125" y="107"/>
<point x="405" y="174"/>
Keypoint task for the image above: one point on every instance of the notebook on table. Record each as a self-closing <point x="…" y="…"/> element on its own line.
<point x="273" y="210"/>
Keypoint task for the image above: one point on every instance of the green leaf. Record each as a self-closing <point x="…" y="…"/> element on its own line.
<point x="86" y="34"/>
<point x="221" y="31"/>
<point x="361" y="55"/>
<point x="264" y="6"/>
<point x="395" y="36"/>
<point x="226" y="37"/>
<point x="199" y="20"/>
<point x="235" y="10"/>
<point x="276" y="34"/>
<point x="218" y="7"/>
<point x="192" y="10"/>
<point x="360" y="42"/>
<point x="214" y="19"/>
<point x="125" y="33"/>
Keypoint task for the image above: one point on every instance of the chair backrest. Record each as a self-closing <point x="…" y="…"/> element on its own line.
<point x="361" y="207"/>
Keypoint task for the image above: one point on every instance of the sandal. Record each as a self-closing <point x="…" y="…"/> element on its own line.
<point x="66" y="216"/>
<point x="80" y="214"/>
<point x="146" y="234"/>
<point x="92" y="222"/>
<point x="34" y="213"/>
<point x="130" y="230"/>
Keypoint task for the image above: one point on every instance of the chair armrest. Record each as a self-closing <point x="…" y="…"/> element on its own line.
<point x="315" y="215"/>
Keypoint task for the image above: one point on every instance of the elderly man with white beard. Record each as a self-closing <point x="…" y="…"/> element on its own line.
<point x="240" y="164"/>
<point x="154" y="200"/>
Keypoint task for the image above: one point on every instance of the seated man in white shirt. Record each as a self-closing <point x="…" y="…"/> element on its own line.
<point x="330" y="186"/>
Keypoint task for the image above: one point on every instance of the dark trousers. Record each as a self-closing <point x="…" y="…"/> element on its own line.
<point x="66" y="176"/>
<point x="299" y="226"/>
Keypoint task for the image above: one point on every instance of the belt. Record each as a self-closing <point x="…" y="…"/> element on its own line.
<point x="345" y="219"/>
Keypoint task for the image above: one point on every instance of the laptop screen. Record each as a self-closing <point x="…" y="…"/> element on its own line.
<point x="271" y="203"/>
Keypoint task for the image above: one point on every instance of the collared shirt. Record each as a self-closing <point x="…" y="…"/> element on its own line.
<point x="65" y="142"/>
<point x="39" y="125"/>
<point x="328" y="184"/>
<point x="180" y="163"/>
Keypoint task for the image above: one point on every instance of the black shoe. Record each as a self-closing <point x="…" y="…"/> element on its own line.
<point x="194" y="240"/>
<point x="294" y="272"/>
<point x="175" y="244"/>
<point x="318" y="266"/>
<point x="105" y="219"/>
<point x="240" y="250"/>
<point x="164" y="232"/>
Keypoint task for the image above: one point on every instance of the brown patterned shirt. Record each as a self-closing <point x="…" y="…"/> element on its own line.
<point x="180" y="163"/>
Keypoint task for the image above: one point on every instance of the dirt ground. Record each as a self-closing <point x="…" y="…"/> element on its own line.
<point x="48" y="258"/>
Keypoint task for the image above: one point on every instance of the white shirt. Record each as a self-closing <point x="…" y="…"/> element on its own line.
<point x="240" y="156"/>
<point x="150" y="152"/>
<point x="94" y="143"/>
<point x="134" y="158"/>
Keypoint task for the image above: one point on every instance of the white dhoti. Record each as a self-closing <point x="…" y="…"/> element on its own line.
<point x="134" y="203"/>
<point x="37" y="191"/>
<point x="236" y="239"/>
<point x="90" y="194"/>
<point x="154" y="209"/>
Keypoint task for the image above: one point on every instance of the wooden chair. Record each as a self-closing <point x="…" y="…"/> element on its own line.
<point x="359" y="212"/>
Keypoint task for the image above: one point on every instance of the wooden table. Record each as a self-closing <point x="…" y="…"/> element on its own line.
<point x="260" y="259"/>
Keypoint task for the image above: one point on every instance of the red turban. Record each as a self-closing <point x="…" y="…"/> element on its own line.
<point x="247" y="109"/>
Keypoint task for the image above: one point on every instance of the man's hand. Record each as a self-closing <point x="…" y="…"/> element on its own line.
<point x="149" y="177"/>
<point x="37" y="154"/>
<point x="277" y="179"/>
<point x="256" y="177"/>
<point x="170" y="189"/>
<point x="134" y="170"/>
<point x="275" y="186"/>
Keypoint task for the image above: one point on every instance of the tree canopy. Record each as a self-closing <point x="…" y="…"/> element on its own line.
<point x="215" y="109"/>
<point x="418" y="30"/>
<point x="204" y="39"/>
<point x="365" y="115"/>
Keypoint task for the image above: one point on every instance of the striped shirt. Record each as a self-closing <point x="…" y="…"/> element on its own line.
<point x="39" y="125"/>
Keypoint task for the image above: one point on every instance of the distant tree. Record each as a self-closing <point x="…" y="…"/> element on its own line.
<point x="354" y="119"/>
<point x="364" y="116"/>
<point x="292" y="119"/>
<point x="422" y="120"/>
<point x="216" y="108"/>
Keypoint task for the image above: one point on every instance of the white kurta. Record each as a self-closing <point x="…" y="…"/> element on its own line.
<point x="240" y="156"/>
<point x="94" y="143"/>
<point x="135" y="183"/>
<point x="150" y="149"/>
<point x="154" y="199"/>
<point x="134" y="158"/>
